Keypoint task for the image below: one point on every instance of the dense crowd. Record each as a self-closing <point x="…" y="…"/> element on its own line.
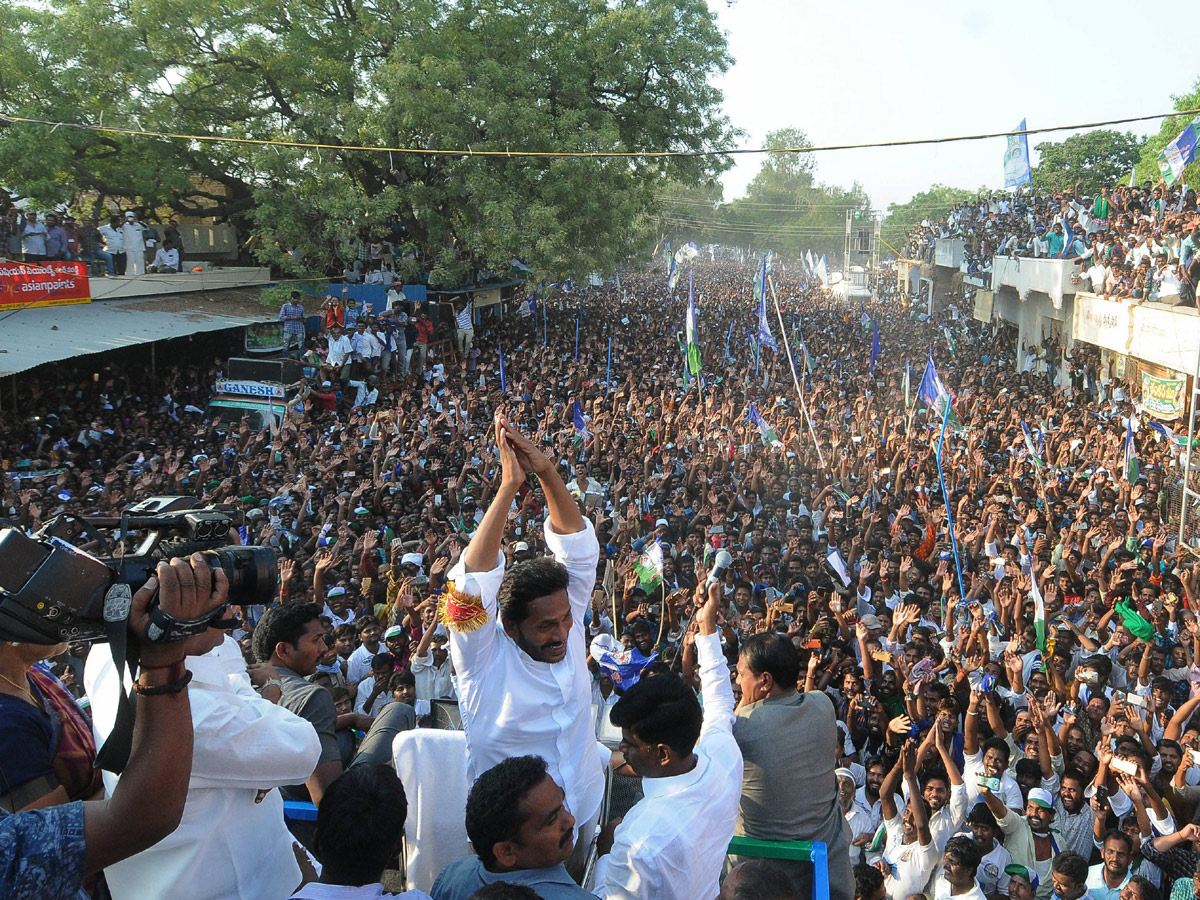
<point x="1129" y="242"/>
<point x="900" y="693"/>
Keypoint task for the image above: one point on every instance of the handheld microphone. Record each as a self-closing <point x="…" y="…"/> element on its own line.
<point x="721" y="562"/>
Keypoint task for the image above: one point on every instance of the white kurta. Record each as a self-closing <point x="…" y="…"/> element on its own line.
<point x="135" y="248"/>
<point x="229" y="844"/>
<point x="512" y="705"/>
<point x="672" y="844"/>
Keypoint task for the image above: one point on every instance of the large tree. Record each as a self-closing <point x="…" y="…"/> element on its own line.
<point x="500" y="75"/>
<point x="1093" y="159"/>
<point x="1147" y="167"/>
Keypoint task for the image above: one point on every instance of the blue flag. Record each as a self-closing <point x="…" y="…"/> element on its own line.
<point x="765" y="432"/>
<point x="765" y="338"/>
<point x="1068" y="238"/>
<point x="1016" y="159"/>
<point x="503" y="375"/>
<point x="932" y="391"/>
<point x="874" y="349"/>
<point x="580" y="422"/>
<point x="672" y="276"/>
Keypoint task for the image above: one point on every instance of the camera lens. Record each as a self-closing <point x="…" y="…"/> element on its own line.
<point x="252" y="573"/>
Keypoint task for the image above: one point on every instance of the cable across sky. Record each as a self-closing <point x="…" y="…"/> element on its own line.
<point x="578" y="154"/>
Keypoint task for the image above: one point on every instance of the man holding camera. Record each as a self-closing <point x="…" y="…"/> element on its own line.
<point x="47" y="853"/>
<point x="232" y="841"/>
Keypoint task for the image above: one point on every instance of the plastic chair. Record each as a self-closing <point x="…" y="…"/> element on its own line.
<point x="813" y="851"/>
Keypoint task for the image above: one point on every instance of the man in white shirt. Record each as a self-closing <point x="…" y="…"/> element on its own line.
<point x="431" y="666"/>
<point x="232" y="841"/>
<point x="338" y="357"/>
<point x="358" y="663"/>
<point x="523" y="683"/>
<point x="672" y="844"/>
<point x="166" y="259"/>
<point x="114" y="243"/>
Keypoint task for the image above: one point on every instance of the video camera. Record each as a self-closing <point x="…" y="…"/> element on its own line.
<point x="52" y="591"/>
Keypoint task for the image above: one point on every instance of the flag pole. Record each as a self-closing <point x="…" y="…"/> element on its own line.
<point x="946" y="499"/>
<point x="795" y="381"/>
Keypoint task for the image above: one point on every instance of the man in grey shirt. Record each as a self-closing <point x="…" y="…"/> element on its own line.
<point x="789" y="790"/>
<point x="521" y="833"/>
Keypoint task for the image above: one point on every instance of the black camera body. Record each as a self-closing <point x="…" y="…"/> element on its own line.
<point x="51" y="591"/>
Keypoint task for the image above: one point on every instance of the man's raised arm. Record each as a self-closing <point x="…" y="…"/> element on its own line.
<point x="564" y="514"/>
<point x="481" y="554"/>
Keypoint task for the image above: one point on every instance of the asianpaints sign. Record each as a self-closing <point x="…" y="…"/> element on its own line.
<point x="43" y="284"/>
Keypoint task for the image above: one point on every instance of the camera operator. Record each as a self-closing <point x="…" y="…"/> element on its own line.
<point x="47" y="853"/>
<point x="232" y="841"/>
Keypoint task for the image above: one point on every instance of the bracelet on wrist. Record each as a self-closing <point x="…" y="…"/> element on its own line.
<point x="171" y="687"/>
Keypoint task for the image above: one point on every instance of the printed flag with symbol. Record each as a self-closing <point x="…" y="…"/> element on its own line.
<point x="932" y="392"/>
<point x="649" y="567"/>
<point x="693" y="348"/>
<point x="768" y="435"/>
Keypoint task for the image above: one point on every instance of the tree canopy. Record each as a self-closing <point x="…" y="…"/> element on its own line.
<point x="1093" y="159"/>
<point x="546" y="75"/>
<point x="785" y="208"/>
<point x="1147" y="166"/>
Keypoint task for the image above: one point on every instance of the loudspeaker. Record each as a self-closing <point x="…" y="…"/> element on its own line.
<point x="283" y="371"/>
<point x="442" y="316"/>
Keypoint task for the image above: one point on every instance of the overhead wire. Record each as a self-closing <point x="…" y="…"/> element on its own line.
<point x="577" y="154"/>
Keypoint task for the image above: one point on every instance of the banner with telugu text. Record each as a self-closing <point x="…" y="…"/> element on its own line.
<point x="1163" y="397"/>
<point x="24" y="285"/>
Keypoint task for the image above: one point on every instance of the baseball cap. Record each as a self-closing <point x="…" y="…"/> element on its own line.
<point x="326" y="384"/>
<point x="1021" y="872"/>
<point x="661" y="523"/>
<point x="1041" y="797"/>
<point x="336" y="591"/>
<point x="871" y="621"/>
<point x="520" y="547"/>
<point x="394" y="631"/>
<point x="411" y="559"/>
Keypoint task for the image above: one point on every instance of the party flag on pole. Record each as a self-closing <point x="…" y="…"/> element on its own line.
<point x="579" y="420"/>
<point x="649" y="567"/>
<point x="1132" y="468"/>
<point x="1039" y="610"/>
<point x="693" y="348"/>
<point x="768" y="435"/>
<point x="765" y="338"/>
<point x="503" y="374"/>
<point x="932" y="391"/>
<point x="874" y="349"/>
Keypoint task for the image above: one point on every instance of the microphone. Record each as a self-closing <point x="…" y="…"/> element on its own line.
<point x="721" y="562"/>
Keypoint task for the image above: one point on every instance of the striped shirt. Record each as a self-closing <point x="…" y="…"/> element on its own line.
<point x="462" y="319"/>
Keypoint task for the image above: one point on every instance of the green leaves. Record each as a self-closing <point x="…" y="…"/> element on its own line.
<point x="500" y="75"/>
<point x="1093" y="159"/>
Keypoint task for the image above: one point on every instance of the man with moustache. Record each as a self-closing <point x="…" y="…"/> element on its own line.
<point x="521" y="833"/>
<point x="517" y="639"/>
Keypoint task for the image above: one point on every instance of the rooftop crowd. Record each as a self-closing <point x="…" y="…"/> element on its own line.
<point x="1130" y="242"/>
<point x="871" y="665"/>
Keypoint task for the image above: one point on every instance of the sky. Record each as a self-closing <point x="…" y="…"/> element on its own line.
<point x="863" y="70"/>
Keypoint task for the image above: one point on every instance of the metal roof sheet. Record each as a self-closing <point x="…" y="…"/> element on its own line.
<point x="33" y="337"/>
